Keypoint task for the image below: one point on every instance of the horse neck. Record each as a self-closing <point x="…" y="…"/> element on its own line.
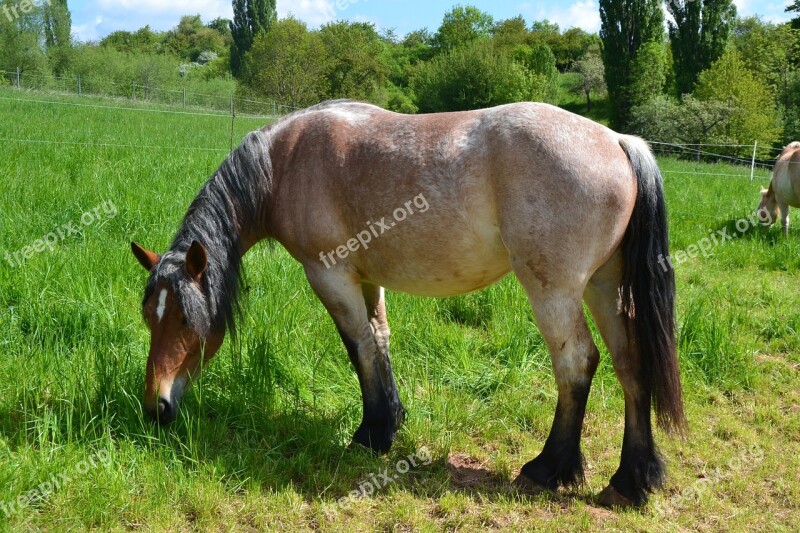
<point x="228" y="216"/>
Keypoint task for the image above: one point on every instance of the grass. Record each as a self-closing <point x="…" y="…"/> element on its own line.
<point x="261" y="440"/>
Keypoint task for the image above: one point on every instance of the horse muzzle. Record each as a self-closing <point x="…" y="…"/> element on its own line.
<point x="163" y="407"/>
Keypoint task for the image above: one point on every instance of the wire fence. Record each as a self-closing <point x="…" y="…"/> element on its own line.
<point x="703" y="153"/>
<point x="751" y="169"/>
<point x="176" y="98"/>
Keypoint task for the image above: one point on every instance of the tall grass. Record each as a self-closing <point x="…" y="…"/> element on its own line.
<point x="261" y="437"/>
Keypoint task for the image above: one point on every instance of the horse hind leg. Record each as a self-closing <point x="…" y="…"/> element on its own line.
<point x="559" y="316"/>
<point x="360" y="316"/>
<point x="641" y="469"/>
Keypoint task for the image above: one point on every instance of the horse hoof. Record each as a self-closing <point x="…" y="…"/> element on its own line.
<point x="526" y="485"/>
<point x="377" y="439"/>
<point x="611" y="497"/>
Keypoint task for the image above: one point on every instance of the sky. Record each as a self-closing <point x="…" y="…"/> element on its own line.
<point x="94" y="19"/>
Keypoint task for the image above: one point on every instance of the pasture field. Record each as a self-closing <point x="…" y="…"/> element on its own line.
<point x="261" y="440"/>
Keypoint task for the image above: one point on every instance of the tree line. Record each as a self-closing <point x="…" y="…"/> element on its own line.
<point x="703" y="75"/>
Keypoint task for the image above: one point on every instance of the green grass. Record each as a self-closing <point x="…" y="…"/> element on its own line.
<point x="261" y="440"/>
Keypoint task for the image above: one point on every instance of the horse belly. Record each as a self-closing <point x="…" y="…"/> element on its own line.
<point x="431" y="265"/>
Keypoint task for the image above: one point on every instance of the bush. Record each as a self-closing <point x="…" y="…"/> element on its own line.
<point x="474" y="76"/>
<point x="756" y="117"/>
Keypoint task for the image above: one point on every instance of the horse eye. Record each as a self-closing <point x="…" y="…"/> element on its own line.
<point x="184" y="322"/>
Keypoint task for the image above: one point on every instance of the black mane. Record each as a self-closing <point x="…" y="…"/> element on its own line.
<point x="231" y="201"/>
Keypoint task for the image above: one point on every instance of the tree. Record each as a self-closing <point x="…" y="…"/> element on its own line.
<point x="756" y="118"/>
<point x="691" y="122"/>
<point x="191" y="38"/>
<point x="592" y="74"/>
<point x="461" y="26"/>
<point x="795" y="8"/>
<point x="649" y="73"/>
<point x="626" y="26"/>
<point x="771" y="51"/>
<point x="57" y="33"/>
<point x="250" y="17"/>
<point x="511" y="34"/>
<point x="698" y="36"/>
<point x="288" y="64"/>
<point x="539" y="59"/>
<point x="474" y="76"/>
<point x="143" y="41"/>
<point x="21" y="41"/>
<point x="358" y="67"/>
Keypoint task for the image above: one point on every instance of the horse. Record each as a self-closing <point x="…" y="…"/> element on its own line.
<point x="441" y="205"/>
<point x="784" y="189"/>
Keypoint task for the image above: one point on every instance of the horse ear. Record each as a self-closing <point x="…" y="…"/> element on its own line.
<point x="146" y="258"/>
<point x="196" y="260"/>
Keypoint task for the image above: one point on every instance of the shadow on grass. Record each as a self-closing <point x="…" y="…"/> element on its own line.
<point x="763" y="234"/>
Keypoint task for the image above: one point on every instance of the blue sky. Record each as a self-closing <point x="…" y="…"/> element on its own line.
<point x="93" y="19"/>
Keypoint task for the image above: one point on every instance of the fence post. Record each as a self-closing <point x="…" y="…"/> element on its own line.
<point x="80" y="89"/>
<point x="133" y="90"/>
<point x="184" y="97"/>
<point x="753" y="166"/>
<point x="18" y="87"/>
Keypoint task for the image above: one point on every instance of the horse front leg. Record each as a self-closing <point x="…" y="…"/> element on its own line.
<point x="359" y="315"/>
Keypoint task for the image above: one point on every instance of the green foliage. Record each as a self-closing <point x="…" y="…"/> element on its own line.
<point x="539" y="59"/>
<point x="461" y="26"/>
<point x="626" y="26"/>
<point x="472" y="77"/>
<point x="756" y="118"/>
<point x="592" y="76"/>
<point x="191" y="38"/>
<point x="356" y="67"/>
<point x="288" y="64"/>
<point x="57" y="33"/>
<point x="691" y="121"/>
<point x="142" y="41"/>
<point x="510" y="34"/>
<point x="250" y="17"/>
<point x="795" y="8"/>
<point x="772" y="53"/>
<point x="649" y="73"/>
<point x="791" y="115"/>
<point x="699" y="33"/>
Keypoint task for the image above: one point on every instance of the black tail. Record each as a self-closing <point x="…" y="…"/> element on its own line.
<point x="648" y="287"/>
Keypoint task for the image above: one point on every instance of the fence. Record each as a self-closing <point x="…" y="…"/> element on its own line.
<point x="702" y="152"/>
<point x="179" y="98"/>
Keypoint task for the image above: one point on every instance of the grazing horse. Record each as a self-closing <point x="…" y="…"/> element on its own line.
<point x="440" y="205"/>
<point x="784" y="189"/>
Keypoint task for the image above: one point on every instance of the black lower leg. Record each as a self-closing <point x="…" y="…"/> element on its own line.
<point x="561" y="462"/>
<point x="641" y="469"/>
<point x="383" y="411"/>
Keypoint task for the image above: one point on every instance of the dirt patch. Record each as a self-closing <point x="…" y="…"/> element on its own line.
<point x="468" y="473"/>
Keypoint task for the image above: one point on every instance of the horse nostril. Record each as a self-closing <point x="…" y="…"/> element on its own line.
<point x="164" y="410"/>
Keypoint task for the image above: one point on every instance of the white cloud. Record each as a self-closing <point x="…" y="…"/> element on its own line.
<point x="583" y="14"/>
<point x="88" y="32"/>
<point x="208" y="9"/>
<point x="313" y="12"/>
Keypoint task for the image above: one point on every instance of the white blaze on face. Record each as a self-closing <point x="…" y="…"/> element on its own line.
<point x="162" y="304"/>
